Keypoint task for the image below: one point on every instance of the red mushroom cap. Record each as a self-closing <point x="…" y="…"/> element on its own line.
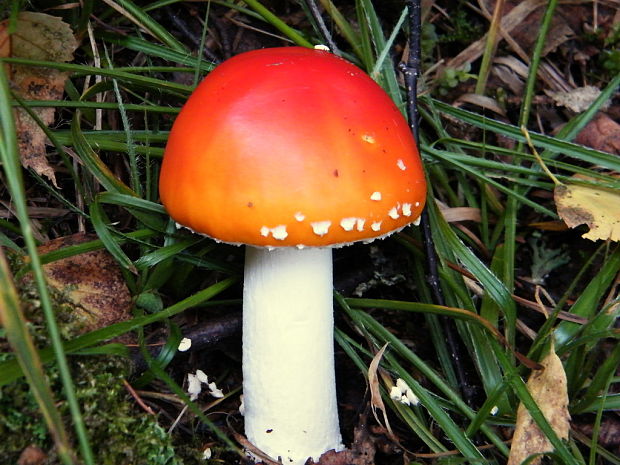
<point x="291" y="147"/>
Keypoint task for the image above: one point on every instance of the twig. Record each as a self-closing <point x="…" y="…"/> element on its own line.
<point x="411" y="72"/>
<point x="316" y="14"/>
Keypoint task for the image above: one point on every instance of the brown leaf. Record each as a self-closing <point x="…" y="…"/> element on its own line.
<point x="549" y="390"/>
<point x="37" y="36"/>
<point x="32" y="455"/>
<point x="91" y="281"/>
<point x="602" y="133"/>
<point x="376" y="402"/>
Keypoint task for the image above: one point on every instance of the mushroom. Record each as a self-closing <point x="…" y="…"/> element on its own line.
<point x="291" y="151"/>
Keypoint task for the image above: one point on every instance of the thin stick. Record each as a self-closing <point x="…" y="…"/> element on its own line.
<point x="316" y="14"/>
<point x="411" y="71"/>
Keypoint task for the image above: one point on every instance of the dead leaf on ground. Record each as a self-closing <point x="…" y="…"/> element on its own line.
<point x="91" y="281"/>
<point x="37" y="36"/>
<point x="577" y="100"/>
<point x="602" y="133"/>
<point x="32" y="455"/>
<point x="590" y="205"/>
<point x="549" y="389"/>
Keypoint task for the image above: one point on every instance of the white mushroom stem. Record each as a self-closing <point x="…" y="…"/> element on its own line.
<point x="289" y="390"/>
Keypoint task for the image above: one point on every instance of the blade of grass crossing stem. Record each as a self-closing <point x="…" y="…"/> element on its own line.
<point x="10" y="370"/>
<point x="13" y="175"/>
<point x="14" y="324"/>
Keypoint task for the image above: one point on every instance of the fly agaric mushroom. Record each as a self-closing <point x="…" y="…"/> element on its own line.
<point x="290" y="151"/>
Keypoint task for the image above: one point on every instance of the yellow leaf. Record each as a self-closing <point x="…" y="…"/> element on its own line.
<point x="549" y="390"/>
<point x="598" y="208"/>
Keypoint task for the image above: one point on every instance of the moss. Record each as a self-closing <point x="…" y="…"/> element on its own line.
<point x="119" y="433"/>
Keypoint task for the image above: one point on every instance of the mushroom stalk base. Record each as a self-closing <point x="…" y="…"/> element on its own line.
<point x="289" y="390"/>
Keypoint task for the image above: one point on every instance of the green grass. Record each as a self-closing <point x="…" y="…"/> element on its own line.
<point x="477" y="271"/>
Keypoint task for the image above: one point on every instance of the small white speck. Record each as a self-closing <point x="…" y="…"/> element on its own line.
<point x="401" y="164"/>
<point x="241" y="406"/>
<point x="184" y="345"/>
<point x="406" y="209"/>
<point x="417" y="204"/>
<point x="300" y="246"/>
<point x="206" y="454"/>
<point x="348" y="223"/>
<point x="417" y="221"/>
<point x="494" y="410"/>
<point x="202" y="376"/>
<point x="368" y="138"/>
<point x="360" y="224"/>
<point x="299" y="216"/>
<point x="320" y="228"/>
<point x="376" y="226"/>
<point x="279" y="232"/>
<point x="322" y="47"/>
<point x="393" y="213"/>
<point x="264" y="231"/>
<point x="376" y="196"/>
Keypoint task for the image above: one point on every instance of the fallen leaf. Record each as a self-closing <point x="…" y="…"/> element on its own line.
<point x="592" y="206"/>
<point x="602" y="133"/>
<point x="91" y="281"/>
<point x="37" y="36"/>
<point x="577" y="100"/>
<point x="376" y="402"/>
<point x="32" y="455"/>
<point x="549" y="389"/>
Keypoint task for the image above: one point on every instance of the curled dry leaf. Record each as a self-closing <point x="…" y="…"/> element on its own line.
<point x="602" y="133"/>
<point x="549" y="389"/>
<point x="37" y="36"/>
<point x="91" y="281"/>
<point x="592" y="206"/>
<point x="576" y="100"/>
